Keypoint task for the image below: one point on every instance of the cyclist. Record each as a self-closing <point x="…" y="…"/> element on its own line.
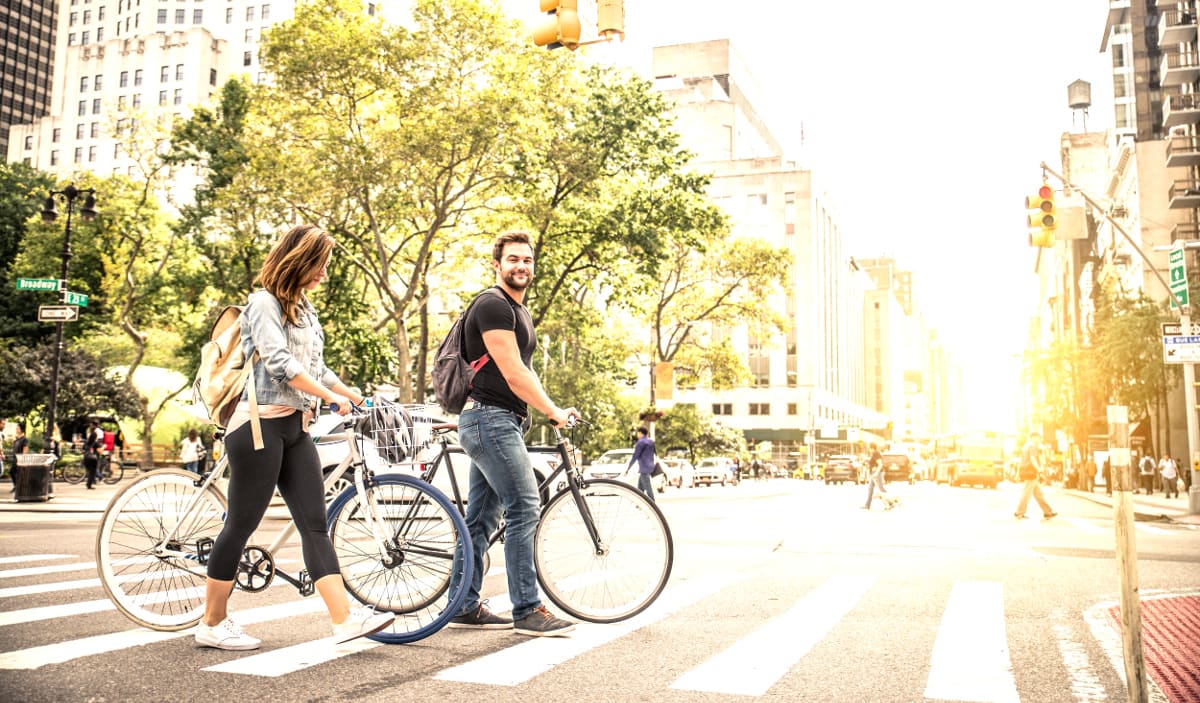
<point x="289" y="376"/>
<point x="491" y="430"/>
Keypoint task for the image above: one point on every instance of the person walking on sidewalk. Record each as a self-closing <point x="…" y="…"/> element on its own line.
<point x="1169" y="470"/>
<point x="643" y="456"/>
<point x="1031" y="468"/>
<point x="491" y="430"/>
<point x="1145" y="475"/>
<point x="875" y="467"/>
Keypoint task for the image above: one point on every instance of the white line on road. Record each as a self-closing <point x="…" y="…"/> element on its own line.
<point x="758" y="660"/>
<point x="1086" y="525"/>
<point x="285" y="660"/>
<point x="1150" y="529"/>
<point x="34" y="557"/>
<point x="522" y="662"/>
<point x="970" y="655"/>
<point x="1086" y="686"/>
<point x="49" y="569"/>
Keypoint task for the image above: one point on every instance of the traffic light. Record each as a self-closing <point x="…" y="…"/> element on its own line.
<point x="1043" y="218"/>
<point x="562" y="27"/>
<point x="610" y="19"/>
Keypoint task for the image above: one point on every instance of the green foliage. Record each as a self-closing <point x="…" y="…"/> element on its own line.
<point x="684" y="426"/>
<point x="83" y="384"/>
<point x="22" y="193"/>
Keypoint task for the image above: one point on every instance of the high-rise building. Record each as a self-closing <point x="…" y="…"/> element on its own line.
<point x="26" y="68"/>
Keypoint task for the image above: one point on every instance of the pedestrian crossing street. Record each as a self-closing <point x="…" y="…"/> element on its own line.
<point x="969" y="659"/>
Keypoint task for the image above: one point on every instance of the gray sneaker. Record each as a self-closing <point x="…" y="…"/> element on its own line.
<point x="541" y="623"/>
<point x="482" y="619"/>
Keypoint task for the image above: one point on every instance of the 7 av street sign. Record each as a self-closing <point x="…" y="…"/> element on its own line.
<point x="58" y="313"/>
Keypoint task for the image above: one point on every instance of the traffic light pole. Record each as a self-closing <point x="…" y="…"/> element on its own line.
<point x="1189" y="370"/>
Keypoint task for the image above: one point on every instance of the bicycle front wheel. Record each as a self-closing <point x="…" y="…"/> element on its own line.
<point x="113" y="473"/>
<point x="426" y="542"/>
<point x="74" y="472"/>
<point x="629" y="570"/>
<point x="155" y="582"/>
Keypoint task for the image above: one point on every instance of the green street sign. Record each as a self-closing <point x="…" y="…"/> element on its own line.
<point x="1178" y="278"/>
<point x="37" y="284"/>
<point x="74" y="298"/>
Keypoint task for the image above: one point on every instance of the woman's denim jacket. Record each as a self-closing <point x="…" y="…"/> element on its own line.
<point x="284" y="350"/>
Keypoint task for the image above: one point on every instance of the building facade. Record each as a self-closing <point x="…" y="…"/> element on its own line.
<point x="27" y="30"/>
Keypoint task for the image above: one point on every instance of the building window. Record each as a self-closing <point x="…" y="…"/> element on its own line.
<point x="266" y="13"/>
<point x="162" y="15"/>
<point x="137" y="76"/>
<point x="82" y="107"/>
<point x="79" y="130"/>
<point x="246" y="58"/>
<point x="250" y="13"/>
<point x="371" y="9"/>
<point x="212" y="76"/>
<point x="54" y="158"/>
<point x="96" y="106"/>
<point x="124" y="81"/>
<point x="99" y="33"/>
<point x="179" y="96"/>
<point x="100" y="13"/>
<point x="71" y="39"/>
<point x="96" y="82"/>
<point x="56" y="134"/>
<point x="92" y="153"/>
<point x="164" y="75"/>
<point x="28" y="143"/>
<point x="120" y="102"/>
<point x="229" y="15"/>
<point x="248" y="37"/>
<point x="95" y="132"/>
<point x="87" y="16"/>
<point x="178" y="71"/>
<point x="760" y="408"/>
<point x="722" y="408"/>
<point x="162" y="97"/>
<point x="197" y="16"/>
<point x="78" y="154"/>
<point x="180" y="16"/>
<point x="793" y="408"/>
<point x="117" y="150"/>
<point x="83" y="84"/>
<point x="137" y="100"/>
<point x="74" y="19"/>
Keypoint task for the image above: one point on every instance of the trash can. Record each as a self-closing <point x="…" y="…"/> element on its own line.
<point x="33" y="477"/>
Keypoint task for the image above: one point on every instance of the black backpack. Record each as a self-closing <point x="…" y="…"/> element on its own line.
<point x="452" y="374"/>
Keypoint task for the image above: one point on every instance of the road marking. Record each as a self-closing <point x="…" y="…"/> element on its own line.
<point x="524" y="661"/>
<point x="59" y="652"/>
<point x="759" y="660"/>
<point x="35" y="557"/>
<point x="1150" y="529"/>
<point x="49" y="612"/>
<point x="49" y="569"/>
<point x="286" y="660"/>
<point x="1086" y="525"/>
<point x="1086" y="686"/>
<point x="970" y="659"/>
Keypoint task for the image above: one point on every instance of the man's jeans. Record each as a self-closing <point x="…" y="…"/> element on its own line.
<point x="1033" y="489"/>
<point x="501" y="484"/>
<point x="645" y="485"/>
<point x="875" y="480"/>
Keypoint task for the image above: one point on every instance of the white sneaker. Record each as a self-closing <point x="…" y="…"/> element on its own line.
<point x="225" y="635"/>
<point x="362" y="622"/>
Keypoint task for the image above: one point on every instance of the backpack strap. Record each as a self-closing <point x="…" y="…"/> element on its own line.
<point x="252" y="396"/>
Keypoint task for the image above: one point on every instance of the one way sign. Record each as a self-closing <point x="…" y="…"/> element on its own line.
<point x="58" y="313"/>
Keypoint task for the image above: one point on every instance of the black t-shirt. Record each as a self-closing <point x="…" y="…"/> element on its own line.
<point x="498" y="312"/>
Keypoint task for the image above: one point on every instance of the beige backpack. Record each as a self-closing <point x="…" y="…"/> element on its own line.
<point x="223" y="373"/>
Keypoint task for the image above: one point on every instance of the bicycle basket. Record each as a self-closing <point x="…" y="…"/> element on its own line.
<point x="398" y="431"/>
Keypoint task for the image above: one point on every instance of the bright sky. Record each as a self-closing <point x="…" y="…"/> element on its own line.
<point x="929" y="119"/>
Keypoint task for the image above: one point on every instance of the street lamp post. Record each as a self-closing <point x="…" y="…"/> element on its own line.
<point x="88" y="212"/>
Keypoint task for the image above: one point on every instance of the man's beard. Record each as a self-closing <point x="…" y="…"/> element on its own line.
<point x="512" y="282"/>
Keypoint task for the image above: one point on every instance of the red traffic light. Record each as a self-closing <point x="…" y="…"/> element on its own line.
<point x="1045" y="191"/>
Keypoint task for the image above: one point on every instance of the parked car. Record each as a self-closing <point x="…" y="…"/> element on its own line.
<point x="613" y="464"/>
<point x="840" y="468"/>
<point x="680" y="472"/>
<point x="897" y="467"/>
<point x="714" y="470"/>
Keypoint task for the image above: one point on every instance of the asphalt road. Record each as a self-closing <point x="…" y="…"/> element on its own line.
<point x="782" y="590"/>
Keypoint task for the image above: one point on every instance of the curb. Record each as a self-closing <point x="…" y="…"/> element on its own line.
<point x="1141" y="513"/>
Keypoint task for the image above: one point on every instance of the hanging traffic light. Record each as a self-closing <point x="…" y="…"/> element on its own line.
<point x="1043" y="218"/>
<point x="562" y="27"/>
<point x="610" y="19"/>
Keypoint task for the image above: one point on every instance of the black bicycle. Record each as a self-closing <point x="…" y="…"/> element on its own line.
<point x="603" y="551"/>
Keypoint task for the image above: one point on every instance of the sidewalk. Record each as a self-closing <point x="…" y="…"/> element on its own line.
<point x="1146" y="507"/>
<point x="68" y="498"/>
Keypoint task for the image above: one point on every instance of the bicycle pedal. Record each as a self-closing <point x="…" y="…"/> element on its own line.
<point x="306" y="586"/>
<point x="204" y="547"/>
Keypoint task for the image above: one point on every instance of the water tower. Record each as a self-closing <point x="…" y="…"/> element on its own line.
<point x="1079" y="99"/>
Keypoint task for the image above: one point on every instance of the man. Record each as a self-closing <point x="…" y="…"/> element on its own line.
<point x="491" y="431"/>
<point x="643" y="456"/>
<point x="1169" y="471"/>
<point x="20" y="446"/>
<point x="1146" y="475"/>
<point x="875" y="467"/>
<point x="1031" y="467"/>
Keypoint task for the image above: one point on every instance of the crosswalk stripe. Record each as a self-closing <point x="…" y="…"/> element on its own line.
<point x="970" y="654"/>
<point x="522" y="662"/>
<point x="759" y="660"/>
<point x="1085" y="684"/>
<point x="286" y="660"/>
<point x="34" y="557"/>
<point x="1086" y="525"/>
<point x="49" y="612"/>
<point x="48" y="569"/>
<point x="59" y="652"/>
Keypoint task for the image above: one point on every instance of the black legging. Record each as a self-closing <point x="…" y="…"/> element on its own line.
<point x="288" y="460"/>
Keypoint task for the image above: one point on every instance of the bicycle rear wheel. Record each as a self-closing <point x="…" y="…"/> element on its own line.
<point x="428" y="540"/>
<point x="73" y="473"/>
<point x="113" y="472"/>
<point x="633" y="567"/>
<point x="158" y="586"/>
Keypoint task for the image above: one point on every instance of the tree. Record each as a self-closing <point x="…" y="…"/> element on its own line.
<point x="84" y="385"/>
<point x="22" y="193"/>
<point x="684" y="426"/>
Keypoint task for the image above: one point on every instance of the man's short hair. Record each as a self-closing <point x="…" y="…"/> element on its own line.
<point x="509" y="238"/>
<point x="643" y="431"/>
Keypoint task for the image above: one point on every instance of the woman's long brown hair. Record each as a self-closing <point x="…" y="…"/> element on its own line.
<point x="292" y="264"/>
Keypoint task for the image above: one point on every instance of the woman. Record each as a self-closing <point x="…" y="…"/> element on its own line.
<point x="93" y="442"/>
<point x="290" y="376"/>
<point x="189" y="454"/>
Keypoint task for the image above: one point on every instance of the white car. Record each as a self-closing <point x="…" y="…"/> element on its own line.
<point x="327" y="434"/>
<point x="714" y="470"/>
<point x="680" y="472"/>
<point x="613" y="464"/>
